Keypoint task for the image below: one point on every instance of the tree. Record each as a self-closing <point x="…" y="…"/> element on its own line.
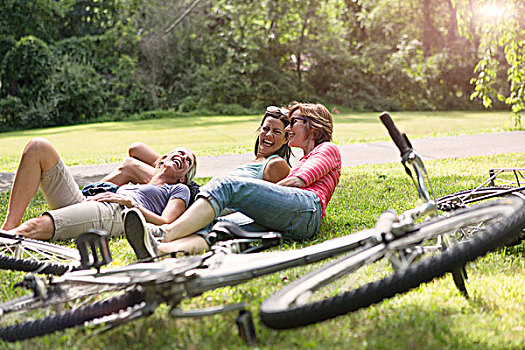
<point x="231" y="56"/>
<point x="500" y="29"/>
<point x="27" y="70"/>
<point x="20" y="18"/>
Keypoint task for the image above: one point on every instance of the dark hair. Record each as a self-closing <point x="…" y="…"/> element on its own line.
<point x="318" y="118"/>
<point x="285" y="151"/>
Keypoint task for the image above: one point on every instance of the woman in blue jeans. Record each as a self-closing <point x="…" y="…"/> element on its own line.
<point x="294" y="206"/>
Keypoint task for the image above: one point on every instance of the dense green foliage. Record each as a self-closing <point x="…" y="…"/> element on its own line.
<point x="27" y="70"/>
<point x="231" y="57"/>
<point x="65" y="62"/>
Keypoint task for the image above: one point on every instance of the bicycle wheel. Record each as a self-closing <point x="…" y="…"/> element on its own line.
<point x="40" y="325"/>
<point x="355" y="281"/>
<point x="460" y="199"/>
<point x="27" y="265"/>
<point x="81" y="296"/>
<point x="29" y="255"/>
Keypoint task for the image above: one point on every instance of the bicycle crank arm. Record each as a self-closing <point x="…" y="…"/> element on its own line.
<point x="177" y="312"/>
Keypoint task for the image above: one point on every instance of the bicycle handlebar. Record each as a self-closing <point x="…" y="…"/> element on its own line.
<point x="409" y="158"/>
<point x="400" y="140"/>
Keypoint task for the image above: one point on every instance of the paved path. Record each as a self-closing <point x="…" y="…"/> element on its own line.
<point x="352" y="155"/>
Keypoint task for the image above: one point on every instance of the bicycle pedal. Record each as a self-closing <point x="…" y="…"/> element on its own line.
<point x="246" y="327"/>
<point x="94" y="249"/>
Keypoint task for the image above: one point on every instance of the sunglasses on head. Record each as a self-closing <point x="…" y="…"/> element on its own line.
<point x="294" y="120"/>
<point x="275" y="109"/>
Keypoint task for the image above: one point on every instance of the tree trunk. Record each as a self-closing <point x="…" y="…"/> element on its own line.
<point x="452" y="35"/>
<point x="428" y="28"/>
<point x="302" y="39"/>
<point x="472" y="26"/>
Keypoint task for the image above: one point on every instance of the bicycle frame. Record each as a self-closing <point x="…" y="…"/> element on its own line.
<point x="495" y="172"/>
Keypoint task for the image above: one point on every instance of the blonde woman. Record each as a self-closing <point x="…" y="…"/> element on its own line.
<point x="163" y="199"/>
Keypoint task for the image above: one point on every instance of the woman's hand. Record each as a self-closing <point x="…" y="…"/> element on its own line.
<point x="292" y="181"/>
<point x="111" y="197"/>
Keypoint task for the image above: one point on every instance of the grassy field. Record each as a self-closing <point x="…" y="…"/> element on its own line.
<point x="433" y="316"/>
<point x="108" y="142"/>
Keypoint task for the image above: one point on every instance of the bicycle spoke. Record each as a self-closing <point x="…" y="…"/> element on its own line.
<point x="38" y="251"/>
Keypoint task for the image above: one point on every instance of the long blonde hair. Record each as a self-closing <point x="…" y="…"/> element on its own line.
<point x="190" y="174"/>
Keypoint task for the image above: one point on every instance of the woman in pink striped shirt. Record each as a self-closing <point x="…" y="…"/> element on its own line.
<point x="294" y="206"/>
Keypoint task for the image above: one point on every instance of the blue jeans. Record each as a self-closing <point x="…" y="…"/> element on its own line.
<point x="294" y="212"/>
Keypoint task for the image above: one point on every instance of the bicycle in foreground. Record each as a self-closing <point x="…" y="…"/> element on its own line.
<point x="134" y="291"/>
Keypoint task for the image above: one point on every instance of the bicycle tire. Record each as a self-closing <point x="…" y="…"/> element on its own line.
<point x="280" y="312"/>
<point x="71" y="318"/>
<point x="35" y="313"/>
<point x="460" y="199"/>
<point x="24" y="254"/>
<point x="28" y="265"/>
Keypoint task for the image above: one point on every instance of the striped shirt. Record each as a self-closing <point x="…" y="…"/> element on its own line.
<point x="320" y="169"/>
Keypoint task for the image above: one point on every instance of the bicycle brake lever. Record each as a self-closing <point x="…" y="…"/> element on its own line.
<point x="94" y="250"/>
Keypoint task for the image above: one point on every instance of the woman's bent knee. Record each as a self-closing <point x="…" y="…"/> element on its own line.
<point x="41" y="228"/>
<point x="42" y="152"/>
<point x="37" y="144"/>
<point x="135" y="148"/>
<point x="126" y="166"/>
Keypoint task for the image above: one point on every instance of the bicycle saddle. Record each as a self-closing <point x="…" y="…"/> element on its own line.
<point x="225" y="231"/>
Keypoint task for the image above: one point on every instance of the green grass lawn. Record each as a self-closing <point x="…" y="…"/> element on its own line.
<point x="210" y="135"/>
<point x="433" y="316"/>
